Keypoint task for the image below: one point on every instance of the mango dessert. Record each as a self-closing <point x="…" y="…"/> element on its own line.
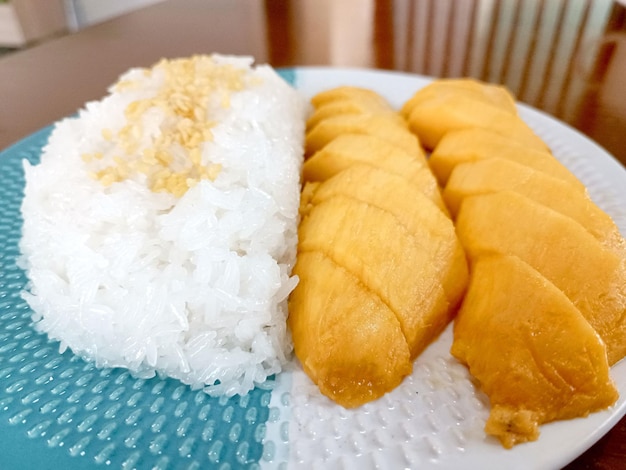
<point x="381" y="269"/>
<point x="531" y="350"/>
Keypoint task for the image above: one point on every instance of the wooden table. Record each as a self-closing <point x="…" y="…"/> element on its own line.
<point x="49" y="81"/>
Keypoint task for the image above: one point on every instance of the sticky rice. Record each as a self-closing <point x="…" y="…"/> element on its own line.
<point x="160" y="227"/>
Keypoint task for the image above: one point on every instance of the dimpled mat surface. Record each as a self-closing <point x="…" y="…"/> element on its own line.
<point x="58" y="411"/>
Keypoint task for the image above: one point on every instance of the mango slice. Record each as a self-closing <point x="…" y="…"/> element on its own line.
<point x="437" y="116"/>
<point x="348" y="149"/>
<point x="378" y="125"/>
<point x="496" y="174"/>
<point x="413" y="210"/>
<point x="351" y="106"/>
<point x="348" y="341"/>
<point x="592" y="277"/>
<point x="531" y="350"/>
<point x="372" y="245"/>
<point x="347" y="92"/>
<point x="469" y="145"/>
<point x="493" y="94"/>
<point x="407" y="176"/>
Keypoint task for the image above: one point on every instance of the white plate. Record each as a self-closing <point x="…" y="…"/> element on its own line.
<point x="435" y="418"/>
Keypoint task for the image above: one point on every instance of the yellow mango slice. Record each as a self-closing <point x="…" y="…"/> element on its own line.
<point x="496" y="174"/>
<point x="371" y="244"/>
<point x="591" y="276"/>
<point x="415" y="211"/>
<point x="347" y="92"/>
<point x="351" y="106"/>
<point x="531" y="350"/>
<point x="469" y="145"/>
<point x="377" y="125"/>
<point x="348" y="149"/>
<point x="434" y="118"/>
<point x="407" y="178"/>
<point x="496" y="95"/>
<point x="347" y="340"/>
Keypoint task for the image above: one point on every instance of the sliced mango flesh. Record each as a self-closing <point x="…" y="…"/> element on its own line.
<point x="412" y="209"/>
<point x="496" y="95"/>
<point x="469" y="145"/>
<point x="544" y="315"/>
<point x="553" y="367"/>
<point x="432" y="119"/>
<point x="372" y="245"/>
<point x="346" y="92"/>
<point x="414" y="178"/>
<point x="352" y="149"/>
<point x="496" y="174"/>
<point x="351" y="106"/>
<point x="348" y="149"/>
<point x="381" y="269"/>
<point x="377" y="125"/>
<point x="348" y="341"/>
<point x="591" y="276"/>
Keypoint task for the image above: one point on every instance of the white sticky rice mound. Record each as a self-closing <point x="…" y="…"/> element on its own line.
<point x="194" y="287"/>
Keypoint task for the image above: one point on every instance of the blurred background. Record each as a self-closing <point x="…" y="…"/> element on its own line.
<point x="566" y="57"/>
<point x="24" y="22"/>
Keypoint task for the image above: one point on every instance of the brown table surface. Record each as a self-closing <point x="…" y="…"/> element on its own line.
<point x="51" y="80"/>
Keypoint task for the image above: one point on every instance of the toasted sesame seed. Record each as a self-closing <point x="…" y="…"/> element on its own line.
<point x="183" y="96"/>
